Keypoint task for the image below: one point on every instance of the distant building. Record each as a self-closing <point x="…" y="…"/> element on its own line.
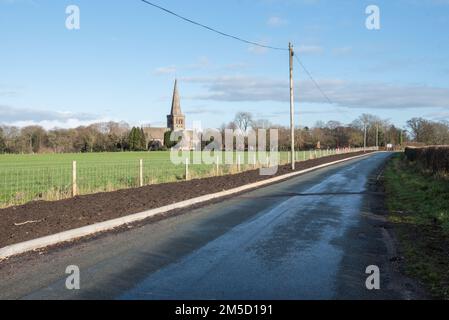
<point x="176" y="121"/>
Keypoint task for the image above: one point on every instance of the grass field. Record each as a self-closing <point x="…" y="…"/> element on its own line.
<point x="49" y="176"/>
<point x="419" y="208"/>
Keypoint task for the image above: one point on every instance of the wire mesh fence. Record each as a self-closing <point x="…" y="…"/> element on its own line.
<point x="22" y="183"/>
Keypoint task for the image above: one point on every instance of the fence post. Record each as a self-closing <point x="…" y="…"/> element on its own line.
<point x="255" y="161"/>
<point x="238" y="163"/>
<point x="74" y="185"/>
<point x="187" y="169"/>
<point x="217" y="165"/>
<point x="141" y="172"/>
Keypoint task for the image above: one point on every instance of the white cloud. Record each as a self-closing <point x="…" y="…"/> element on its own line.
<point x="442" y="115"/>
<point x="342" y="93"/>
<point x="165" y="70"/>
<point x="257" y="49"/>
<point x="7" y="91"/>
<point x="342" y="51"/>
<point x="202" y="62"/>
<point x="236" y="66"/>
<point x="310" y="49"/>
<point x="202" y="110"/>
<point x="31" y="2"/>
<point x="47" y="119"/>
<point x="276" y="21"/>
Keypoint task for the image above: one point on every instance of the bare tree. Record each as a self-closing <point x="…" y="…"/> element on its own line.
<point x="429" y="132"/>
<point x="261" y="124"/>
<point x="243" y="121"/>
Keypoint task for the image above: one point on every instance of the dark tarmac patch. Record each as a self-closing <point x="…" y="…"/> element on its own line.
<point x="374" y="242"/>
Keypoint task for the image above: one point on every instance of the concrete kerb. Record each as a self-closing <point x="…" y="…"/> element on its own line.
<point x="77" y="233"/>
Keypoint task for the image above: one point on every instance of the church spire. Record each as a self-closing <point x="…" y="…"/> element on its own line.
<point x="176" y="104"/>
<point x="176" y="120"/>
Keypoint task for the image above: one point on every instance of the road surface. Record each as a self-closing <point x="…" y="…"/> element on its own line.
<point x="310" y="237"/>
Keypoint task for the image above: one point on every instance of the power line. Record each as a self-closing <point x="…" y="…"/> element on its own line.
<point x="313" y="80"/>
<point x="238" y="39"/>
<point x="319" y="88"/>
<point x="212" y="29"/>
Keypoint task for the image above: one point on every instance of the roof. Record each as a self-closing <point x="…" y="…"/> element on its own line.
<point x="155" y="133"/>
<point x="176" y="104"/>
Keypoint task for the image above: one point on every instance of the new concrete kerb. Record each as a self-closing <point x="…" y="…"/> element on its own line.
<point x="73" y="234"/>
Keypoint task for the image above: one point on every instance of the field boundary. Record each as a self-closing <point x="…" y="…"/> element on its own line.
<point x="43" y="178"/>
<point x="70" y="235"/>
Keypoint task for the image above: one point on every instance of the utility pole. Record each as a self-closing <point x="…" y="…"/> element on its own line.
<point x="292" y="107"/>
<point x="377" y="136"/>
<point x="364" y="139"/>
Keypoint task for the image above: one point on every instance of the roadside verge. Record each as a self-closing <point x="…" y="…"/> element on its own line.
<point x="419" y="213"/>
<point x="76" y="233"/>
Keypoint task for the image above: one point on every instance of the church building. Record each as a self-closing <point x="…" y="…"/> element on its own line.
<point x="176" y="121"/>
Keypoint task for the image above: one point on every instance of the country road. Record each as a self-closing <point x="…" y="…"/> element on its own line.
<point x="310" y="237"/>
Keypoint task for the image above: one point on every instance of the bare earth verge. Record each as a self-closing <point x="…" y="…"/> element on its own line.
<point x="43" y="218"/>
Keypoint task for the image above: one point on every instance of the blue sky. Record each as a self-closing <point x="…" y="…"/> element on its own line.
<point x="122" y="62"/>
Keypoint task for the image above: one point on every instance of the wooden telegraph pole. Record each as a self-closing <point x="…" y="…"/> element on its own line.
<point x="377" y="136"/>
<point x="364" y="139"/>
<point x="292" y="108"/>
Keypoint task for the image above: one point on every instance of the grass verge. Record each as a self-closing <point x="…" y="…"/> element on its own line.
<point x="418" y="203"/>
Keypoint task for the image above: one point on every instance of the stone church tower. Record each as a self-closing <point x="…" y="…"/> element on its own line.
<point x="176" y="120"/>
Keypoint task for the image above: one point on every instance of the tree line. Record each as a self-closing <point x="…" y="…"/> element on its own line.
<point x="426" y="132"/>
<point x="120" y="136"/>
<point x="332" y="134"/>
<point x="98" y="137"/>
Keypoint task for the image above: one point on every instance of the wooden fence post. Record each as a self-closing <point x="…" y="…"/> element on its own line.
<point x="217" y="165"/>
<point x="141" y="172"/>
<point x="74" y="185"/>
<point x="187" y="169"/>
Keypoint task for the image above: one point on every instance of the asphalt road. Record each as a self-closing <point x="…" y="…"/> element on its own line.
<point x="310" y="237"/>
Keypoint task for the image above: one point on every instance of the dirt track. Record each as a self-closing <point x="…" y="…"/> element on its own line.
<point x="40" y="218"/>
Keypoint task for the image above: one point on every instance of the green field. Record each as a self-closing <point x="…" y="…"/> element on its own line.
<point x="25" y="178"/>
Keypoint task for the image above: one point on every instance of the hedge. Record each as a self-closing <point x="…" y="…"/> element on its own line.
<point x="435" y="158"/>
